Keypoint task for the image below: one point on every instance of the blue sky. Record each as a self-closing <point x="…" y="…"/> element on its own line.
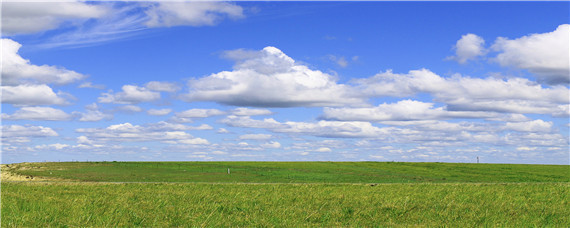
<point x="286" y="81"/>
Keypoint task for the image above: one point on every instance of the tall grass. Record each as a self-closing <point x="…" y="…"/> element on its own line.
<point x="292" y="205"/>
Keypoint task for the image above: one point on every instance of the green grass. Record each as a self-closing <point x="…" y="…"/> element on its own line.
<point x="290" y="194"/>
<point x="297" y="172"/>
<point x="290" y="205"/>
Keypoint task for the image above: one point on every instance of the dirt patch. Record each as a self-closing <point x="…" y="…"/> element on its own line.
<point x="6" y="171"/>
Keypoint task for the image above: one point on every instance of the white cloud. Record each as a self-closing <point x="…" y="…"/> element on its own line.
<point x="404" y="110"/>
<point x="93" y="114"/>
<point x="168" y="14"/>
<point x="324" y="150"/>
<point x="162" y="86"/>
<point x="223" y="131"/>
<point x="531" y="126"/>
<point x="469" y="47"/>
<point x="126" y="132"/>
<point x="545" y="55"/>
<point x="339" y="60"/>
<point x="159" y="112"/>
<point x="131" y="94"/>
<point x="272" y="144"/>
<point x="334" y="129"/>
<point x="515" y="95"/>
<point x="255" y="137"/>
<point x="269" y="78"/>
<point x="129" y="108"/>
<point x="91" y="85"/>
<point x="31" y="95"/>
<point x="38" y="113"/>
<point x="22" y="134"/>
<point x="250" y="112"/>
<point x="55" y="146"/>
<point x="199" y="113"/>
<point x="26" y="131"/>
<point x="33" y="17"/>
<point x="166" y="126"/>
<point x="17" y="70"/>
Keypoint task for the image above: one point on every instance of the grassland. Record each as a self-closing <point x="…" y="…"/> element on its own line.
<point x="287" y="194"/>
<point x="295" y="172"/>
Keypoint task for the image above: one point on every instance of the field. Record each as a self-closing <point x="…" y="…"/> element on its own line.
<point x="288" y="194"/>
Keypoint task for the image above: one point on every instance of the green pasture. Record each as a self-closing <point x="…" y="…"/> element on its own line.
<point x="283" y="205"/>
<point x="295" y="172"/>
<point x="285" y="194"/>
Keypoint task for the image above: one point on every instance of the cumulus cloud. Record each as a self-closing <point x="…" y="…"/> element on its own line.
<point x="199" y="113"/>
<point x="22" y="134"/>
<point x="469" y="47"/>
<point x="127" y="132"/>
<point x="159" y="112"/>
<point x="93" y="114"/>
<point x="91" y="85"/>
<point x="460" y="93"/>
<point x="162" y="86"/>
<point x="531" y="126"/>
<point x="169" y="14"/>
<point x="130" y="94"/>
<point x="31" y="95"/>
<point x="334" y="129"/>
<point x="404" y="110"/>
<point x="129" y="108"/>
<point x="545" y="54"/>
<point x="26" y="131"/>
<point x="250" y="112"/>
<point x="33" y="17"/>
<point x="26" y="84"/>
<point x="17" y="70"/>
<point x="38" y="113"/>
<point x="255" y="137"/>
<point x="271" y="145"/>
<point x="269" y="78"/>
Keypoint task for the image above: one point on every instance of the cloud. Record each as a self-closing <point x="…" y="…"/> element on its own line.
<point x="514" y="95"/>
<point x="323" y="150"/>
<point x="22" y="134"/>
<point x="159" y="112"/>
<point x="531" y="126"/>
<point x="93" y="114"/>
<point x="131" y="94"/>
<point x="404" y="110"/>
<point x="469" y="47"/>
<point x="271" y="145"/>
<point x="250" y="112"/>
<point x="255" y="137"/>
<point x="339" y="60"/>
<point x="129" y="108"/>
<point x="91" y="85"/>
<point x="31" y="95"/>
<point x="544" y="54"/>
<point x="333" y="129"/>
<point x="127" y="132"/>
<point x="162" y="86"/>
<point x="33" y="17"/>
<point x="269" y="78"/>
<point x="38" y="113"/>
<point x="17" y="70"/>
<point x="199" y="113"/>
<point x="169" y="14"/>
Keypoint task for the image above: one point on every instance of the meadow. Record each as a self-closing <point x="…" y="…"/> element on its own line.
<point x="290" y="194"/>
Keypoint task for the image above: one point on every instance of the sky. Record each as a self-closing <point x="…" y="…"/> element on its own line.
<point x="285" y="81"/>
